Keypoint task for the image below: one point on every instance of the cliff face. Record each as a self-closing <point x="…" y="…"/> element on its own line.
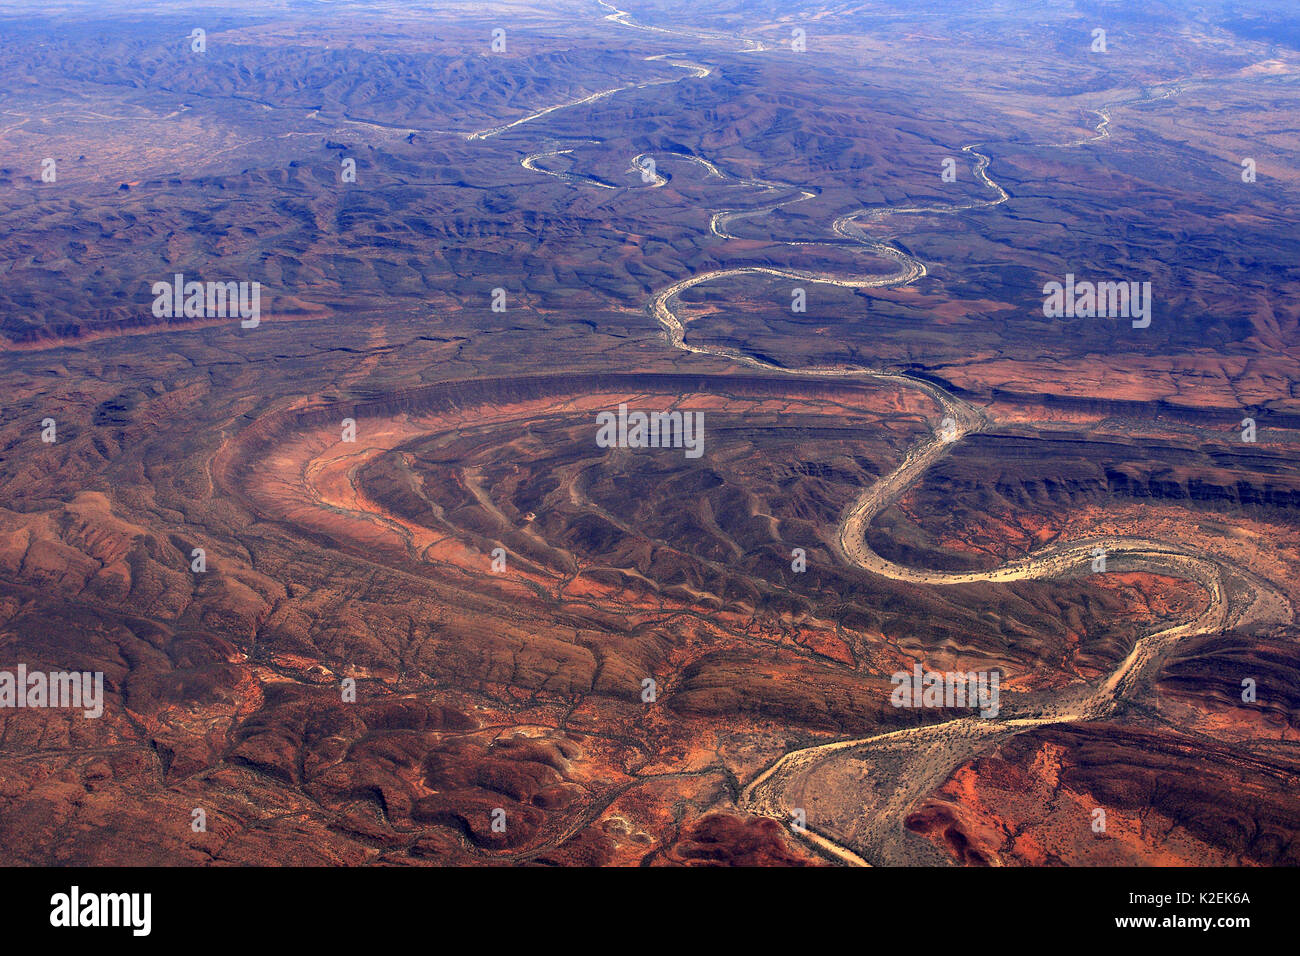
<point x="999" y="494"/>
<point x="1068" y="470"/>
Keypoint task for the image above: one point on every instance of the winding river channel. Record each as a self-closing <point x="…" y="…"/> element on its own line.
<point x="928" y="753"/>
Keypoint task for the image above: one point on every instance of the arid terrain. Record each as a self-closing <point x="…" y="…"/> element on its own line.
<point x="364" y="581"/>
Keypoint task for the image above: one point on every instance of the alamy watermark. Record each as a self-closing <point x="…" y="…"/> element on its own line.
<point x="947" y="689"/>
<point x="75" y="909"/>
<point x="80" y="690"/>
<point x="1090" y="300"/>
<point x="626" y="429"/>
<point x="208" y="300"/>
